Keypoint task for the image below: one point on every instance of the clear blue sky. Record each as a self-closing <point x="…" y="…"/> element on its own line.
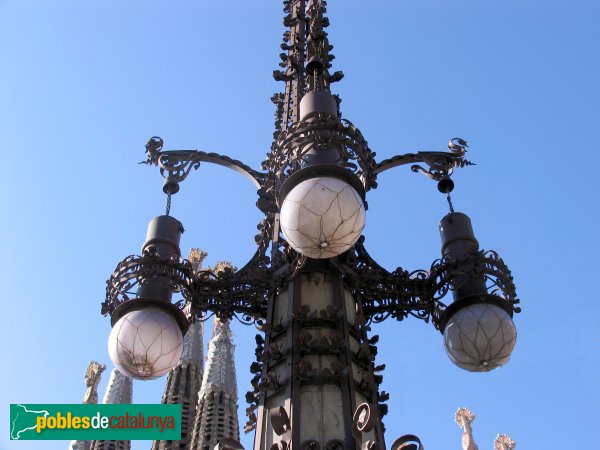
<point x="84" y="84"/>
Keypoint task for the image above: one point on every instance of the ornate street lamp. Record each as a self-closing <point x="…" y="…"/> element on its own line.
<point x="311" y="287"/>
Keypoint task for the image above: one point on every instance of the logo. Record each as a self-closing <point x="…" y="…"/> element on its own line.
<point x="95" y="422"/>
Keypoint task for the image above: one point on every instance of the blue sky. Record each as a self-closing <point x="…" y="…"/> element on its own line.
<point x="83" y="85"/>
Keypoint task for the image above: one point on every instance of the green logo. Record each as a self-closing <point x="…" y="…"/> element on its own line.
<point x="95" y="422"/>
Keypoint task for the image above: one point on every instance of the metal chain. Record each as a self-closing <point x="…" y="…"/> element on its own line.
<point x="449" y="203"/>
<point x="168" y="203"/>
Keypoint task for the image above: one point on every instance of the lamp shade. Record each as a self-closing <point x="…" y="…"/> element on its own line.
<point x="322" y="217"/>
<point x="480" y="337"/>
<point x="145" y="343"/>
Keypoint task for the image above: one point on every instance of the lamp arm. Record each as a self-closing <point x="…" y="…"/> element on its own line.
<point x="177" y="164"/>
<point x="440" y="164"/>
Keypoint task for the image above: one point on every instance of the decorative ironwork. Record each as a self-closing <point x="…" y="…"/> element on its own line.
<point x="323" y="131"/>
<point x="243" y="294"/>
<point x="177" y="164"/>
<point x="135" y="270"/>
<point x="449" y="274"/>
<point x="280" y="421"/>
<point x="384" y="294"/>
<point x="407" y="442"/>
<point x="441" y="164"/>
<point x="400" y="293"/>
<point x="363" y="421"/>
<point x="310" y="445"/>
<point x="246" y="293"/>
<point x="335" y="444"/>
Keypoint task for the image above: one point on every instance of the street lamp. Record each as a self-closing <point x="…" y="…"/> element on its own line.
<point x="311" y="287"/>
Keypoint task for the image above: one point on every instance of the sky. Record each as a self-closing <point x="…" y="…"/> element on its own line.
<point x="83" y="85"/>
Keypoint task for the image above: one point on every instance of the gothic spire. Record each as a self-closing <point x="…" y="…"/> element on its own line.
<point x="118" y="391"/>
<point x="216" y="416"/>
<point x="185" y="380"/>
<point x="220" y="366"/>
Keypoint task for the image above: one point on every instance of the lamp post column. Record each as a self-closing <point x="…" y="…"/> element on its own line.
<point x="317" y="366"/>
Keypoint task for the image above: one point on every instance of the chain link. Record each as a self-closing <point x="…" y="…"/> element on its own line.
<point x="450" y="203"/>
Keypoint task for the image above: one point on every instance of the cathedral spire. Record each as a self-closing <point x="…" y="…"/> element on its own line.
<point x="118" y="391"/>
<point x="216" y="417"/>
<point x="185" y="380"/>
<point x="220" y="366"/>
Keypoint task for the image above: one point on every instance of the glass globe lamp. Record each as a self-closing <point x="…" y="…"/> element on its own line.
<point x="145" y="344"/>
<point x="322" y="217"/>
<point x="480" y="337"/>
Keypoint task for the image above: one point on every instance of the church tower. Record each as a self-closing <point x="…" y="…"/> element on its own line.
<point x="216" y="415"/>
<point x="183" y="386"/>
<point x="185" y="380"/>
<point x="118" y="391"/>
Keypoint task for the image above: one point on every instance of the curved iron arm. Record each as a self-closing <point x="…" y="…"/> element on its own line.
<point x="177" y="164"/>
<point x="441" y="164"/>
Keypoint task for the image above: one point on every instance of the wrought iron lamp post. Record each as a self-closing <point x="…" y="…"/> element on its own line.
<point x="311" y="287"/>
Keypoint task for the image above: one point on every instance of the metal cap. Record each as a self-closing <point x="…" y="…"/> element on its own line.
<point x="164" y="232"/>
<point x="317" y="101"/>
<point x="457" y="235"/>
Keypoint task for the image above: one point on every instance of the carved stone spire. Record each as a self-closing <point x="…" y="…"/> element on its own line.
<point x="196" y="257"/>
<point x="185" y="380"/>
<point x="118" y="391"/>
<point x="92" y="379"/>
<point x="464" y="418"/>
<point x="183" y="385"/>
<point x="216" y="417"/>
<point x="504" y="442"/>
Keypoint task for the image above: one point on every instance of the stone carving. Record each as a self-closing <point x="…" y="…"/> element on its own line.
<point x="504" y="442"/>
<point x="464" y="418"/>
<point x="92" y="379"/>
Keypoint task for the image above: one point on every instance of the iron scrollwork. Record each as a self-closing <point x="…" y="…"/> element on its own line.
<point x="280" y="421"/>
<point x="226" y="294"/>
<point x="177" y="164"/>
<point x="400" y="293"/>
<point x="363" y="421"/>
<point x="440" y="164"/>
<point x="135" y="270"/>
<point x="386" y="294"/>
<point x="448" y="274"/>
